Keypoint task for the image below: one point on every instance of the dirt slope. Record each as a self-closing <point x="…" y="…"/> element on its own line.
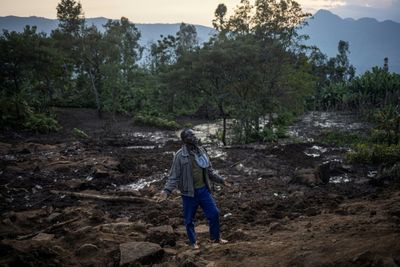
<point x="285" y="208"/>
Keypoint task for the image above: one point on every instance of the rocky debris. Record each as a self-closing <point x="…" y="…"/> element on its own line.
<point x="330" y="169"/>
<point x="202" y="229"/>
<point x="306" y="176"/>
<point x="265" y="215"/>
<point x="43" y="237"/>
<point x="117" y="228"/>
<point x="163" y="229"/>
<point x="276" y="226"/>
<point x="385" y="262"/>
<point x="54" y="217"/>
<point x="87" y="250"/>
<point x="191" y="258"/>
<point x="163" y="235"/>
<point x="99" y="173"/>
<point x="240" y="235"/>
<point x="139" y="252"/>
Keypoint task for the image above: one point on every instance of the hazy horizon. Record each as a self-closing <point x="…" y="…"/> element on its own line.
<point x="190" y="11"/>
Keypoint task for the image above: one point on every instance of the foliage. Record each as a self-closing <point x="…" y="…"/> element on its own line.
<point x="388" y="125"/>
<point x="375" y="154"/>
<point x="392" y="171"/>
<point x="41" y="123"/>
<point x="253" y="68"/>
<point x="340" y="138"/>
<point x="78" y="133"/>
<point x="149" y="120"/>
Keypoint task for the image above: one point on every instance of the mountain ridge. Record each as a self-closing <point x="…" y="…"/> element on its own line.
<point x="370" y="40"/>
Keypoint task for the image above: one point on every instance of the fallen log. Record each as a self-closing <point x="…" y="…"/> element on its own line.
<point x="103" y="197"/>
<point x="48" y="229"/>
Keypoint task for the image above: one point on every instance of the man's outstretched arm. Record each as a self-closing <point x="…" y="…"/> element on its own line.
<point x="172" y="181"/>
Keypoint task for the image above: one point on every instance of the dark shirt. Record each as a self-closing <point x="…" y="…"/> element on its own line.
<point x="198" y="178"/>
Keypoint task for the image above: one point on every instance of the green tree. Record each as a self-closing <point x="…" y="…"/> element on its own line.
<point x="29" y="72"/>
<point x="121" y="54"/>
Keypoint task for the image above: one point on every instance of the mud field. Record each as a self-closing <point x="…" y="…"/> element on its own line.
<point x="71" y="202"/>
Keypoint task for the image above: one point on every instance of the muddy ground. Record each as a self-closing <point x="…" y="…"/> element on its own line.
<point x="292" y="203"/>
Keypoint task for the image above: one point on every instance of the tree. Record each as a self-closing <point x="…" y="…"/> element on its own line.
<point x="70" y="17"/>
<point x="30" y="68"/>
<point x="339" y="67"/>
<point x="121" y="54"/>
<point x="186" y="39"/>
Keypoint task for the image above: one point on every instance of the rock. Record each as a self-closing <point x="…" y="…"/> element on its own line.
<point x="311" y="211"/>
<point x="87" y="250"/>
<point x="275" y="226"/>
<point x="58" y="250"/>
<point x="162" y="235"/>
<point x="188" y="254"/>
<point x="53" y="217"/>
<point x="43" y="237"/>
<point x="240" y="235"/>
<point x="139" y="252"/>
<point x="24" y="151"/>
<point x="100" y="173"/>
<point x="268" y="173"/>
<point x="384" y="262"/>
<point x="163" y="229"/>
<point x="170" y="251"/>
<point x="364" y="258"/>
<point x="323" y="172"/>
<point x="297" y="194"/>
<point x="306" y="177"/>
<point x="202" y="229"/>
<point x="117" y="228"/>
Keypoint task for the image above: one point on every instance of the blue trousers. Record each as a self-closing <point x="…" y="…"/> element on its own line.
<point x="202" y="197"/>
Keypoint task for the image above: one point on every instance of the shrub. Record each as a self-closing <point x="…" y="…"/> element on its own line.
<point x="41" y="123"/>
<point x="269" y="135"/>
<point x="375" y="154"/>
<point x="340" y="138"/>
<point x="149" y="120"/>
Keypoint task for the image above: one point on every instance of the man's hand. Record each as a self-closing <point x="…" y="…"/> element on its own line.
<point x="162" y="196"/>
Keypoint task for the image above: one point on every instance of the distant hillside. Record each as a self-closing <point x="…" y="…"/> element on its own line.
<point x="150" y="32"/>
<point x="370" y="41"/>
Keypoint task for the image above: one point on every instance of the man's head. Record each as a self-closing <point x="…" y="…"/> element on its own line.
<point x="188" y="137"/>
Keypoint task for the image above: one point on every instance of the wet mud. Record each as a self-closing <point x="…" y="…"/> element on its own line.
<point x="70" y="202"/>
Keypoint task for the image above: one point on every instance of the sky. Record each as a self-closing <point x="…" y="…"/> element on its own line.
<point x="192" y="11"/>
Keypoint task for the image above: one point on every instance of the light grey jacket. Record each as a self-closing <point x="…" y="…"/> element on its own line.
<point x="181" y="174"/>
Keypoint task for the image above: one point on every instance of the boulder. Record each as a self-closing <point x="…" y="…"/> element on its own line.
<point x="162" y="235"/>
<point x="99" y="172"/>
<point x="384" y="262"/>
<point x="87" y="250"/>
<point x="117" y="228"/>
<point x="133" y="253"/>
<point x="307" y="177"/>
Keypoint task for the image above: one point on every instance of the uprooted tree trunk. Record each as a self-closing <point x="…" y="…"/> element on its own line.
<point x="103" y="197"/>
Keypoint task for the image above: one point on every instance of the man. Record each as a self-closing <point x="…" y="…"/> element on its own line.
<point x="191" y="173"/>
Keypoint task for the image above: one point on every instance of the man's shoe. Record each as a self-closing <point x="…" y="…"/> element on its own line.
<point x="219" y="241"/>
<point x="194" y="246"/>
